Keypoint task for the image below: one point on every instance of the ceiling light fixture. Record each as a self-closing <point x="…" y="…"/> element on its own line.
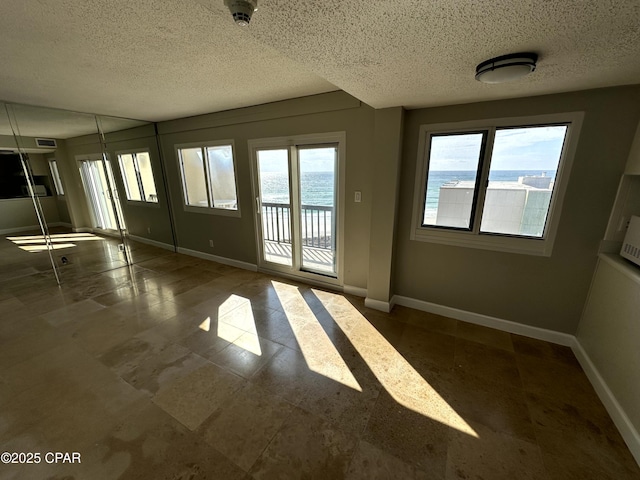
<point x="241" y="10"/>
<point x="506" y="68"/>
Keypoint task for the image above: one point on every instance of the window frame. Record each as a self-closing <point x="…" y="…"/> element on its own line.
<point x="57" y="178"/>
<point x="472" y="237"/>
<point x="133" y="153"/>
<point x="208" y="209"/>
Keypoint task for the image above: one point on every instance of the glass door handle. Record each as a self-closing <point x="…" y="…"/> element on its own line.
<point x="258" y="209"/>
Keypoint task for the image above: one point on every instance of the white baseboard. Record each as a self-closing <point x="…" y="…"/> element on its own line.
<point x="83" y="230"/>
<point x="356" y="291"/>
<point x="486" y="321"/>
<point x="617" y="413"/>
<point x="379" y="304"/>
<point x="215" y="258"/>
<point x="153" y="243"/>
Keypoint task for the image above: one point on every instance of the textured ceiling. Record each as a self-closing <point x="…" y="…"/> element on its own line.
<point x="163" y="59"/>
<point x="418" y="53"/>
<point x="146" y="59"/>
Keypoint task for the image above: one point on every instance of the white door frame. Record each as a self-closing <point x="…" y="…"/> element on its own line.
<point x="338" y="138"/>
<point x="112" y="192"/>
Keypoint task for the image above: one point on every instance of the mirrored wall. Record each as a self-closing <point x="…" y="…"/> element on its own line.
<point x="79" y="192"/>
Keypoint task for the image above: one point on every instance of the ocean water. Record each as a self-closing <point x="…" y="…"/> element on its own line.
<point x="316" y="188"/>
<point x="439" y="178"/>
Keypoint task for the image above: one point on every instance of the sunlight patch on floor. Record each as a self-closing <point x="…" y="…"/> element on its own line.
<point x="397" y="376"/>
<point x="318" y="350"/>
<point x="42" y="248"/>
<point x="38" y="243"/>
<point x="60" y="237"/>
<point x="205" y="325"/>
<point x="236" y="324"/>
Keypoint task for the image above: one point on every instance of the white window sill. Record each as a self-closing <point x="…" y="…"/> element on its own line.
<point x="526" y="246"/>
<point x="139" y="203"/>
<point x="212" y="211"/>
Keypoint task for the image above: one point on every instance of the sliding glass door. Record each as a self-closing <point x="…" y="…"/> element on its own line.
<point x="97" y="177"/>
<point x="317" y="179"/>
<point x="296" y="207"/>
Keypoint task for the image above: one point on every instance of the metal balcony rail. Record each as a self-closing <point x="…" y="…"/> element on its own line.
<point x="316" y="224"/>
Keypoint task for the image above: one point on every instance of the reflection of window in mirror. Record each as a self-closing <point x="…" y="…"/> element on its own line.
<point x="57" y="181"/>
<point x="137" y="176"/>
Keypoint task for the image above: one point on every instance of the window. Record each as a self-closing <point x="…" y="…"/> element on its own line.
<point x="496" y="184"/>
<point x="208" y="177"/>
<point x="57" y="181"/>
<point x="137" y="176"/>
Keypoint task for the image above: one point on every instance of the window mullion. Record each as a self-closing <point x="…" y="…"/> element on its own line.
<point x="483" y="181"/>
<point x="207" y="174"/>
<point x="136" y="168"/>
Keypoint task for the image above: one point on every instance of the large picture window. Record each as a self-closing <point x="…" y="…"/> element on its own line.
<point x="208" y="176"/>
<point x="495" y="185"/>
<point x="137" y="176"/>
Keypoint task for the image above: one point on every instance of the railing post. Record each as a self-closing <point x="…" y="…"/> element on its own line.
<point x="278" y="223"/>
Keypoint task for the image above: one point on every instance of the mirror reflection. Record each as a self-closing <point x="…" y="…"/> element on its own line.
<point x="75" y="188"/>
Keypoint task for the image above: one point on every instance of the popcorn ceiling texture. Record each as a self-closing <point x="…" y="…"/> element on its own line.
<point x="161" y="59"/>
<point x="146" y="59"/>
<point x="419" y="53"/>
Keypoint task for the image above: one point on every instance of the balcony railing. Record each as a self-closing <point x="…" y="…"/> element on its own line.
<point x="316" y="224"/>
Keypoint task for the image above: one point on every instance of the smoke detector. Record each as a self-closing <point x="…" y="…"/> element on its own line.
<point x="241" y="10"/>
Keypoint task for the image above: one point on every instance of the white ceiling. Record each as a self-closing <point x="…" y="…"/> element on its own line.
<point x="163" y="59"/>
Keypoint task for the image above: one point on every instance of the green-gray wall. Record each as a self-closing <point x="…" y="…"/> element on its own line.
<point x="235" y="237"/>
<point x="546" y="292"/>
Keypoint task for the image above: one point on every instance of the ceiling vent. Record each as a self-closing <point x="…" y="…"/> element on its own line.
<point x="46" y="142"/>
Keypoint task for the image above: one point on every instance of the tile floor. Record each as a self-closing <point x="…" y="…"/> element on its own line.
<point x="180" y="368"/>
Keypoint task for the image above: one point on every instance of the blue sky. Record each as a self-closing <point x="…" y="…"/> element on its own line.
<point x="311" y="160"/>
<point x="532" y="148"/>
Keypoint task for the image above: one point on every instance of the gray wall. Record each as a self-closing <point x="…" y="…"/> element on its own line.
<point x="19" y="213"/>
<point x="235" y="237"/>
<point x="141" y="217"/>
<point x="609" y="332"/>
<point x="546" y="292"/>
<point x="69" y="169"/>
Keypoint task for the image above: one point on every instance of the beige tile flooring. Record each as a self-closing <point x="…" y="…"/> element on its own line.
<point x="180" y="368"/>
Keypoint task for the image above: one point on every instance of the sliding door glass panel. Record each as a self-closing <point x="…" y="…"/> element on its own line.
<point x="94" y="178"/>
<point x="222" y="177"/>
<point x="275" y="202"/>
<point x="129" y="176"/>
<point x="193" y="177"/>
<point x="116" y="198"/>
<point x="146" y="177"/>
<point x="318" y="177"/>
<point x="91" y="191"/>
<point x="452" y="179"/>
<point x="105" y="197"/>
<point x="522" y="175"/>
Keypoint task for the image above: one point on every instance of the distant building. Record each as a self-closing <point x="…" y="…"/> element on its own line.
<point x="516" y="208"/>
